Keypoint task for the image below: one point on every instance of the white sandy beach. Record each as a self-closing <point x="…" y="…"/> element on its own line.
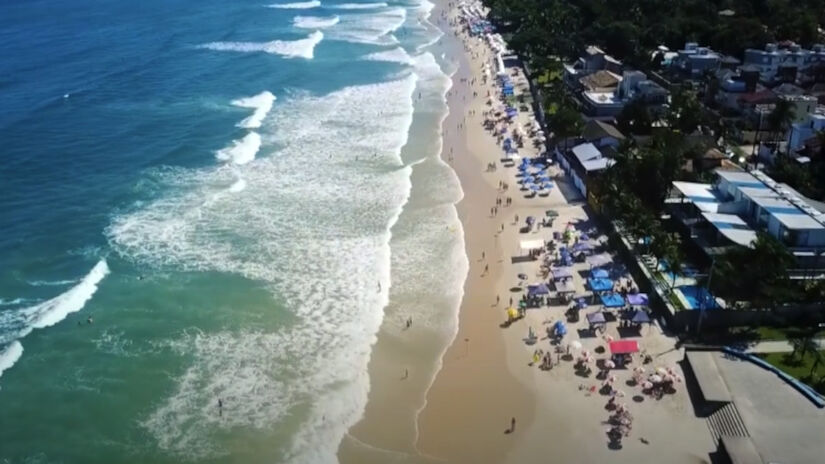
<point x="487" y="376"/>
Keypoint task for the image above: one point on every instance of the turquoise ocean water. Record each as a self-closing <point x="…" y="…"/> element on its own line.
<point x="221" y="187"/>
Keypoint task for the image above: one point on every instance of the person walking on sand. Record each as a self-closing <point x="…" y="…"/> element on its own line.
<point x="486" y="268"/>
<point x="512" y="424"/>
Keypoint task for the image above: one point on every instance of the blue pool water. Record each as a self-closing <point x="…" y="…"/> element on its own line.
<point x="695" y="295"/>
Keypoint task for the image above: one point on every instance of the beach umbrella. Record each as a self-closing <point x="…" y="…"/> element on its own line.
<point x="609" y="364"/>
<point x="661" y="371"/>
<point x="655" y="378"/>
<point x="619" y="393"/>
<point x="647" y="385"/>
<point x="512" y="313"/>
<point x="576" y="345"/>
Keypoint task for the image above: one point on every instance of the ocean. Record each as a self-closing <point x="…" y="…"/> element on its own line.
<point x="214" y="202"/>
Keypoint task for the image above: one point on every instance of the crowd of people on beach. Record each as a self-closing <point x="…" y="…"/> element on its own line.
<point x="620" y="419"/>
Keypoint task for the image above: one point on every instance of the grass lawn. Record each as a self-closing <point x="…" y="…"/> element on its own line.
<point x="799" y="369"/>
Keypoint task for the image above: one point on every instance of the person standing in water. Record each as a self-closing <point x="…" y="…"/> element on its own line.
<point x="220" y="407"/>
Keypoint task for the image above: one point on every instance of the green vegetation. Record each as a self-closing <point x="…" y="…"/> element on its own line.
<point x="807" y="368"/>
<point x="543" y="29"/>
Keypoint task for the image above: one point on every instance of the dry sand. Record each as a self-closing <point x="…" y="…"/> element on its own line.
<point x="486" y="378"/>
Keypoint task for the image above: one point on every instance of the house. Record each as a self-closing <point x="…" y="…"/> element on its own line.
<point x="783" y="64"/>
<point x="735" y="84"/>
<point x="634" y="85"/>
<point x="730" y="211"/>
<point x="594" y="59"/>
<point x="695" y="60"/>
<point x="600" y="81"/>
<point x="806" y="127"/>
<point x="583" y="163"/>
<point x="602" y="134"/>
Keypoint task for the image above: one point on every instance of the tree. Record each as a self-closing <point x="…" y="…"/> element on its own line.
<point x="565" y="122"/>
<point x="818" y="359"/>
<point x="667" y="248"/>
<point x="685" y="113"/>
<point x="781" y="117"/>
<point x="635" y="118"/>
<point x="758" y="274"/>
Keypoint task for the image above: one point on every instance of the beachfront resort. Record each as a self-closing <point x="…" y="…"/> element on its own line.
<point x="595" y="324"/>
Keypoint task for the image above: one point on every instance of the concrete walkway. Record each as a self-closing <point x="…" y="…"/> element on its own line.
<point x="776" y="346"/>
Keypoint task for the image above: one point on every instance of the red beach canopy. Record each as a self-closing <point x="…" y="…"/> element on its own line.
<point x="624" y="347"/>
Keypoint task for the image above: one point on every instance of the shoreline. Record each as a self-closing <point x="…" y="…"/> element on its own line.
<point x="458" y="408"/>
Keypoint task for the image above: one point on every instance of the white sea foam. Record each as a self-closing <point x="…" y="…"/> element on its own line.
<point x="51" y="283"/>
<point x="302" y="48"/>
<point x="15" y="301"/>
<point x="10" y="355"/>
<point x="261" y="103"/>
<point x="314" y="22"/>
<point x="296" y="5"/>
<point x="238" y="186"/>
<point x="319" y="241"/>
<point x="371" y="28"/>
<point x="395" y="55"/>
<point x="241" y="151"/>
<point x="51" y="312"/>
<point x="358" y="6"/>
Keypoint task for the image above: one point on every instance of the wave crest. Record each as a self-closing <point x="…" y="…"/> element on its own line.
<point x="302" y="48"/>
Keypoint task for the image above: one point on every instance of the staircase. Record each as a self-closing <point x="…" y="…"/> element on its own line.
<point x="726" y="421"/>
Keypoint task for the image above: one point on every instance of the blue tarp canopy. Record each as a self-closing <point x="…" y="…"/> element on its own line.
<point x="599" y="274"/>
<point x="612" y="300"/>
<point x="600" y="285"/>
<point x="540" y="289"/>
<point x="534" y="187"/>
<point x="581" y="303"/>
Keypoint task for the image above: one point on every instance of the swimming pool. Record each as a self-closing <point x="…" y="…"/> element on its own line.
<point x="694" y="295"/>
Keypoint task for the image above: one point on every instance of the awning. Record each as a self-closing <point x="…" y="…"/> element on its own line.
<point x="624" y="347"/>
<point x="612" y="300"/>
<point x="561" y="272"/>
<point x="600" y="285"/>
<point x="540" y="289"/>
<point x="601" y="259"/>
<point x="565" y="286"/>
<point x="637" y="299"/>
<point x="599" y="274"/>
<point x="532" y="244"/>
<point x="596" y="318"/>
<point x="640" y="317"/>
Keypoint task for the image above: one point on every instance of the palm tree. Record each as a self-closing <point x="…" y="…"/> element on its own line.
<point x="819" y="358"/>
<point x="781" y="117"/>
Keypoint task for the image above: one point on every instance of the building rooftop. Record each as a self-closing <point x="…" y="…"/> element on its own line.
<point x="702" y="195"/>
<point x="741" y="179"/>
<point x="600" y="79"/>
<point x="784" y="426"/>
<point x="787" y="213"/>
<point x="733" y="227"/>
<point x="591" y="158"/>
<point x="602" y="98"/>
<point x="595" y="129"/>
